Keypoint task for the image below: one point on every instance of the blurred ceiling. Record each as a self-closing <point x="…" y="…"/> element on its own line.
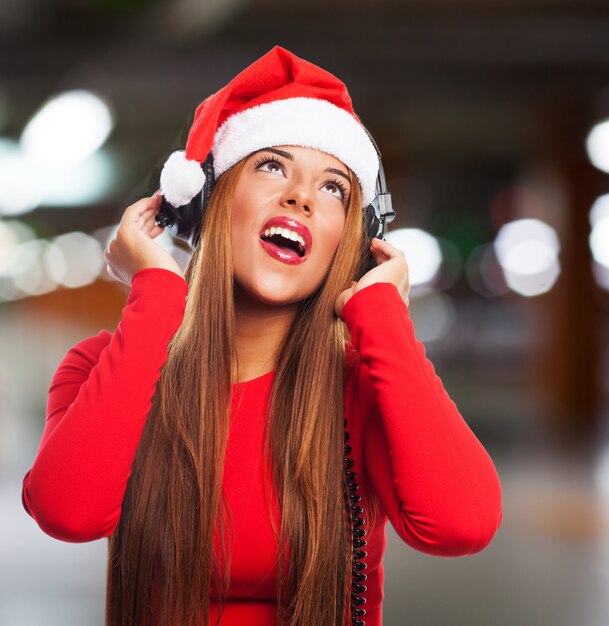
<point x="448" y="85"/>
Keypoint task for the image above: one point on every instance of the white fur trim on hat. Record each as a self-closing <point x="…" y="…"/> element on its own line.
<point x="307" y="122"/>
<point x="181" y="179"/>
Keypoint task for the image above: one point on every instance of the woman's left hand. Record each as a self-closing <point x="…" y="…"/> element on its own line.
<point x="391" y="267"/>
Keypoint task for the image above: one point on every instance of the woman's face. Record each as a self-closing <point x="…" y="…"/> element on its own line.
<point x="287" y="187"/>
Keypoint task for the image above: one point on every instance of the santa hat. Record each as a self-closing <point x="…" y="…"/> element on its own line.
<point x="279" y="99"/>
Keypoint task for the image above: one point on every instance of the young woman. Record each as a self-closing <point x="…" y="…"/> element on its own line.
<point x="205" y="436"/>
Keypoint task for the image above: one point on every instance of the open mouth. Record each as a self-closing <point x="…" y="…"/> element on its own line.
<point x="284" y="240"/>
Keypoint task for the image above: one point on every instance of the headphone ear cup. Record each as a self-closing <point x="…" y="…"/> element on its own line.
<point x="372" y="228"/>
<point x="183" y="222"/>
<point x="186" y="221"/>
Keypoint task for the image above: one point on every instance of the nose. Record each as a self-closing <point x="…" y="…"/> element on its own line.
<point x="298" y="195"/>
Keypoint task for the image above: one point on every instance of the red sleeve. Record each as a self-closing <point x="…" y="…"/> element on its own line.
<point x="97" y="405"/>
<point x="436" y="481"/>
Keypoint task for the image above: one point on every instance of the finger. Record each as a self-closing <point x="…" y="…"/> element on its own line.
<point x="379" y="255"/>
<point x="153" y="206"/>
<point x="143" y="205"/>
<point x="109" y="272"/>
<point x="382" y="244"/>
<point x="378" y="245"/>
<point x="148" y="227"/>
<point x="152" y="212"/>
<point x="154" y="230"/>
<point x="384" y="247"/>
<point x="147" y="214"/>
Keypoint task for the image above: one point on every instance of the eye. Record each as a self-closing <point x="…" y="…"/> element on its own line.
<point x="269" y="164"/>
<point x="336" y="188"/>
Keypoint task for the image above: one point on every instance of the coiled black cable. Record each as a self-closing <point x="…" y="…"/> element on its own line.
<point x="355" y="511"/>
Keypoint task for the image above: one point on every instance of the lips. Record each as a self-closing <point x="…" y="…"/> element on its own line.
<point x="293" y="225"/>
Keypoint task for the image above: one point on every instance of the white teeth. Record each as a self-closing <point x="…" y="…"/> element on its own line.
<point x="284" y="232"/>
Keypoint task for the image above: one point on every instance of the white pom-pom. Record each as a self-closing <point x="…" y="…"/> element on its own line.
<point x="181" y="179"/>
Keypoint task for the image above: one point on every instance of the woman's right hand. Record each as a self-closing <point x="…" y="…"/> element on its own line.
<point x="132" y="248"/>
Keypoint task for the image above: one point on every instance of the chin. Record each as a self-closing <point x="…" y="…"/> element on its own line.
<point x="272" y="296"/>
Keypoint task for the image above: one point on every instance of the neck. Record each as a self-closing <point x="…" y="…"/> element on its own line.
<point x="260" y="329"/>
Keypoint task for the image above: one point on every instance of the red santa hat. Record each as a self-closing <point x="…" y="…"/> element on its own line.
<point x="280" y="99"/>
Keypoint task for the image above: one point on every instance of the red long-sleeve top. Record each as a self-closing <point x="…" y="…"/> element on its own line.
<point x="437" y="484"/>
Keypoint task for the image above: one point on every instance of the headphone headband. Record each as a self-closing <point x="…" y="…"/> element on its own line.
<point x="381" y="204"/>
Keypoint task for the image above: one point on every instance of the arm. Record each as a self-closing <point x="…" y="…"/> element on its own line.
<point x="98" y="401"/>
<point x="437" y="483"/>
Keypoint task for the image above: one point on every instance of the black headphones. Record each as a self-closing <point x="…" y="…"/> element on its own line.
<point x="185" y="222"/>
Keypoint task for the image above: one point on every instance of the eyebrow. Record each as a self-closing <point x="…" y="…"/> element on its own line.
<point x="290" y="156"/>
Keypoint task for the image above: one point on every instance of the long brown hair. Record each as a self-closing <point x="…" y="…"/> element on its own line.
<point x="161" y="556"/>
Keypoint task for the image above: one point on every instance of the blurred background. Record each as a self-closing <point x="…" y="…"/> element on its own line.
<point x="493" y="121"/>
